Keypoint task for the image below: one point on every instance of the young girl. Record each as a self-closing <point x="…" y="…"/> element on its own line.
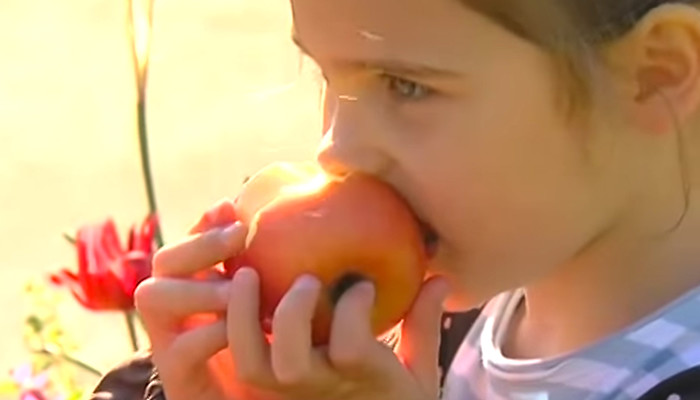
<point x="550" y="145"/>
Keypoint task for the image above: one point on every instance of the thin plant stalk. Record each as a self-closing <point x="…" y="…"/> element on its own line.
<point x="140" y="29"/>
<point x="71" y="360"/>
<point x="131" y="326"/>
<point x="69" y="238"/>
<point x="146" y="167"/>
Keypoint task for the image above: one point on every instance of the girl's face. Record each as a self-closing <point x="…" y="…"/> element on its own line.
<point x="465" y="120"/>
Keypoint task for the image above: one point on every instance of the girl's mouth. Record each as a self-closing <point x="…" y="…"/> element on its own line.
<point x="431" y="240"/>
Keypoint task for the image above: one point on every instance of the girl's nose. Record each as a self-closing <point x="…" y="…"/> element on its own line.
<point x="349" y="144"/>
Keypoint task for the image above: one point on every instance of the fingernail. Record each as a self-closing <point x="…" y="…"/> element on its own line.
<point x="245" y="274"/>
<point x="307" y="281"/>
<point x="230" y="231"/>
<point x="366" y="290"/>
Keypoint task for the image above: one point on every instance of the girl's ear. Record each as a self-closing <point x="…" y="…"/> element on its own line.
<point x="661" y="60"/>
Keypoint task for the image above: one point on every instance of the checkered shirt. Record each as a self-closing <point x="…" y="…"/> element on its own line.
<point x="621" y="367"/>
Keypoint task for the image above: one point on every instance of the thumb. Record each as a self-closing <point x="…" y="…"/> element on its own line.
<point x="420" y="334"/>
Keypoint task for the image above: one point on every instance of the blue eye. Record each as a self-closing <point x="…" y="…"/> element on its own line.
<point x="406" y="89"/>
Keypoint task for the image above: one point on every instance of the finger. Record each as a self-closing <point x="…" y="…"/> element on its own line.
<point x="246" y="340"/>
<point x="199" y="252"/>
<point x="353" y="346"/>
<point x="221" y="214"/>
<point x="420" y="334"/>
<point x="291" y="331"/>
<point x="191" y="350"/>
<point x="160" y="303"/>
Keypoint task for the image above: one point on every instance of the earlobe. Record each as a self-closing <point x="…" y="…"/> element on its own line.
<point x="667" y="70"/>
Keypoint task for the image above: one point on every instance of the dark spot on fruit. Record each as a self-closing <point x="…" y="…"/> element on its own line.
<point x="343" y="284"/>
<point x="431" y="239"/>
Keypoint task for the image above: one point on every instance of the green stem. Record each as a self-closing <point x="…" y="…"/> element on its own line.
<point x="70" y="239"/>
<point x="140" y="319"/>
<point x="71" y="360"/>
<point x="129" y="315"/>
<point x="146" y="162"/>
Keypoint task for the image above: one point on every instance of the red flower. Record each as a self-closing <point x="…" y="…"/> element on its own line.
<point x="107" y="274"/>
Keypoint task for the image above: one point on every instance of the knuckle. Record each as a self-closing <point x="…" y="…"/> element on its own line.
<point x="294" y="376"/>
<point x="342" y="360"/>
<point x="346" y="356"/>
<point x="169" y="369"/>
<point x="253" y="375"/>
<point x="179" y="349"/>
<point x="163" y="364"/>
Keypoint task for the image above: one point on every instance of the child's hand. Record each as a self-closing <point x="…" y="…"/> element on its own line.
<point x="191" y="356"/>
<point x="217" y="359"/>
<point x="355" y="366"/>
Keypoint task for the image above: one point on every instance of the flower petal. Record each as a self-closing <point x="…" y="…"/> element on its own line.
<point x="137" y="267"/>
<point x="86" y="260"/>
<point x="62" y="277"/>
<point x="99" y="249"/>
<point x="144" y="235"/>
<point x="32" y="395"/>
<point x="41" y="380"/>
<point x="131" y="239"/>
<point x="107" y="275"/>
<point x="22" y="373"/>
<point x="110" y="239"/>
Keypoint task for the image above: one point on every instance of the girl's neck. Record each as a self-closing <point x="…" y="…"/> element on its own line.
<point x="614" y="283"/>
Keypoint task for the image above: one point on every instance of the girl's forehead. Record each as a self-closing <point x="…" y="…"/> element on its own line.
<point x="391" y="28"/>
<point x="379" y="19"/>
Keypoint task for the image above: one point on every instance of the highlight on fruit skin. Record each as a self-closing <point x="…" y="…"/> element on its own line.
<point x="276" y="180"/>
<point x="342" y="230"/>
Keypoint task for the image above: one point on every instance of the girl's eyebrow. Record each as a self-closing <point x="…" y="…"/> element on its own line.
<point x="391" y="66"/>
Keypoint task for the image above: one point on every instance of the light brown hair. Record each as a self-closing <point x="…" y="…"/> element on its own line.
<point x="571" y="30"/>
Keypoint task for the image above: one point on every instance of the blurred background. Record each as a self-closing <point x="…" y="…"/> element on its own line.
<point x="227" y="93"/>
